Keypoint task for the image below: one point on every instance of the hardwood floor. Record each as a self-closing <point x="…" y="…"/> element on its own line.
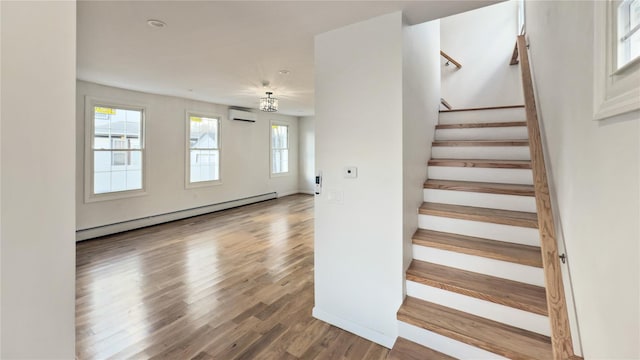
<point x="236" y="284"/>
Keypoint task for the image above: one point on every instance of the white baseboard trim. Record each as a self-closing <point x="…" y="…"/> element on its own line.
<point x="90" y="233"/>
<point x="308" y="192"/>
<point x="283" y="194"/>
<point x="369" y="334"/>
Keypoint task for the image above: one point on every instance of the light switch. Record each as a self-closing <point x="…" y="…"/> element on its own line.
<point x="350" y="172"/>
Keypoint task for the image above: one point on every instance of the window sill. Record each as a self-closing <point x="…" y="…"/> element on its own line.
<point x="116" y="195"/>
<point x="277" y="175"/>
<point x="202" y="184"/>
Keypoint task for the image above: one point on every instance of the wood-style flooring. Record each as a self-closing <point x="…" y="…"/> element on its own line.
<point x="236" y="284"/>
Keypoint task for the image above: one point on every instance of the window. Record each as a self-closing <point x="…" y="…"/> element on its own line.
<point x="628" y="34"/>
<point x="204" y="149"/>
<point x="521" y="17"/>
<point x="115" y="160"/>
<point x="616" y="58"/>
<point x="279" y="149"/>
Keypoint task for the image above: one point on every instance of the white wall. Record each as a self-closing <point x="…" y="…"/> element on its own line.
<point x="421" y="101"/>
<point x="595" y="172"/>
<point x="482" y="41"/>
<point x="306" y="155"/>
<point x="358" y="223"/>
<point x="244" y="154"/>
<point x="37" y="166"/>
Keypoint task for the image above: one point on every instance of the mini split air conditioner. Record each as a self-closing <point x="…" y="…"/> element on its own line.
<point x="242" y="115"/>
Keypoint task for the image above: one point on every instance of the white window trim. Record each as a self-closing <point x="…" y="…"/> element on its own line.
<point x="288" y="125"/>
<point x="90" y="103"/>
<point x="187" y="153"/>
<point x="615" y="92"/>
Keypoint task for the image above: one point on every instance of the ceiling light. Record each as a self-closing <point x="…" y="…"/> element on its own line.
<point x="156" y="23"/>
<point x="284" y="72"/>
<point x="268" y="103"/>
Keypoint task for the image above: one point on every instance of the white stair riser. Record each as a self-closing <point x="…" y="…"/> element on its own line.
<point x="482" y="116"/>
<point x="481" y="152"/>
<point x="486" y="309"/>
<point x="494" y="133"/>
<point x="508" y="233"/>
<point x="443" y="344"/>
<point x="478" y="264"/>
<point x="502" y="176"/>
<point x="484" y="200"/>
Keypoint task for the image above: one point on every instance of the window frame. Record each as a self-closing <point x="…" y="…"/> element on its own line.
<point x="187" y="156"/>
<point x="288" y="148"/>
<point x="615" y="91"/>
<point x="89" y="124"/>
<point x="628" y="35"/>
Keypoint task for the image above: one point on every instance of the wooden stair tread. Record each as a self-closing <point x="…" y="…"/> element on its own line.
<point x="458" y="143"/>
<point x="496" y="216"/>
<point x="480" y="163"/>
<point x="510" y="293"/>
<point x="492" y="249"/>
<point x="405" y="349"/>
<point x="481" y="125"/>
<point x="484" y="108"/>
<point x="481" y="187"/>
<point x="490" y="335"/>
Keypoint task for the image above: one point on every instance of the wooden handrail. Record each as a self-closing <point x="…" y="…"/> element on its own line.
<point x="449" y="58"/>
<point x="556" y="302"/>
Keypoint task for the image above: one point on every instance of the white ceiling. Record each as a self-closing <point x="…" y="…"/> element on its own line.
<point x="221" y="51"/>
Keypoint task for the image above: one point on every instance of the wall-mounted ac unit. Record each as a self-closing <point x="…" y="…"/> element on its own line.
<point x="242" y="115"/>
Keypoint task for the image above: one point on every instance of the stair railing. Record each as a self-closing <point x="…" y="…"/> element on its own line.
<point x="556" y="301"/>
<point x="450" y="59"/>
<point x="458" y="65"/>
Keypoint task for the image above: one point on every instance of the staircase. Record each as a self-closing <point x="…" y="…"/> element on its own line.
<point x="475" y="287"/>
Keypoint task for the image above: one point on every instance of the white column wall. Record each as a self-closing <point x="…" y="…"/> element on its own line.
<point x="38" y="42"/>
<point x="421" y="101"/>
<point x="358" y="225"/>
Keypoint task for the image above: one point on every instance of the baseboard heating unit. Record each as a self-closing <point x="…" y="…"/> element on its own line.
<point x="94" y="232"/>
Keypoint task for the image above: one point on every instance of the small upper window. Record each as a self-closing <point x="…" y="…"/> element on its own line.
<point x="116" y="149"/>
<point x="204" y="149"/>
<point x="628" y="34"/>
<point x="279" y="149"/>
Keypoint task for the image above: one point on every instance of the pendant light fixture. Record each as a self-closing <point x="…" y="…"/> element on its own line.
<point x="269" y="104"/>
